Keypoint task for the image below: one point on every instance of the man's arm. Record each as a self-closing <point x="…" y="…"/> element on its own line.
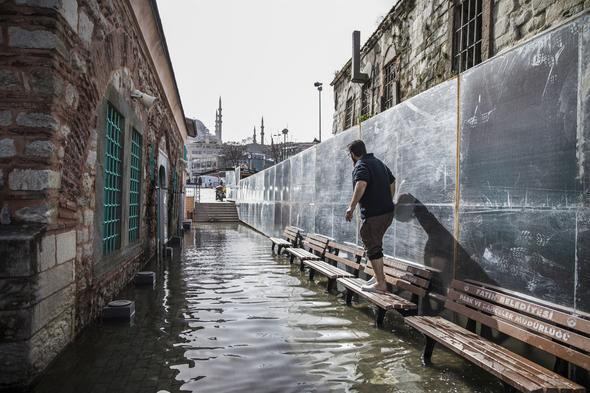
<point x="359" y="191"/>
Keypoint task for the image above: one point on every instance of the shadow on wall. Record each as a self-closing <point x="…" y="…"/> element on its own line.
<point x="440" y="247"/>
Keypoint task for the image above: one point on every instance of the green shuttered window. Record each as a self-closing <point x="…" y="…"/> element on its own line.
<point x="134" y="186"/>
<point x="111" y="227"/>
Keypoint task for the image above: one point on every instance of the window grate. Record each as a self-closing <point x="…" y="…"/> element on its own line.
<point x="348" y="114"/>
<point x="389" y="86"/>
<point x="467" y="34"/>
<point x="111" y="228"/>
<point x="366" y="99"/>
<point x="134" y="186"/>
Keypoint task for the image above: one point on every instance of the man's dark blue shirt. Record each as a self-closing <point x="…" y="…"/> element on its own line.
<point x="377" y="199"/>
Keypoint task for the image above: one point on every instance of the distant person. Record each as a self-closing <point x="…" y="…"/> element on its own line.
<point x="374" y="188"/>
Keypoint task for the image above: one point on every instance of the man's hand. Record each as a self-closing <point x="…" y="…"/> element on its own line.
<point x="349" y="213"/>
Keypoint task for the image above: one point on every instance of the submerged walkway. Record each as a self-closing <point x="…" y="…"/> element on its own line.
<point x="230" y="317"/>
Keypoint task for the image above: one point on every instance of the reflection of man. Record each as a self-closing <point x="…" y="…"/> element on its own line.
<point x="374" y="188"/>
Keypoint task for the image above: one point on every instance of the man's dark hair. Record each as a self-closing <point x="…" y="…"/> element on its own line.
<point x="357" y="148"/>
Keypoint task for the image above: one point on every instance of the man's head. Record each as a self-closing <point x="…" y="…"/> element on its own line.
<point x="357" y="149"/>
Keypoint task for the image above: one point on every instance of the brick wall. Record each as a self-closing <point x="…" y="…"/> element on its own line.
<point x="415" y="36"/>
<point x="59" y="60"/>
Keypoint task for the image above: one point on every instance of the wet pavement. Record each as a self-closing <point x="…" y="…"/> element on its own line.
<point x="230" y="317"/>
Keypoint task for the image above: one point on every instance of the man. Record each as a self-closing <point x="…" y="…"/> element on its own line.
<point x="374" y="188"/>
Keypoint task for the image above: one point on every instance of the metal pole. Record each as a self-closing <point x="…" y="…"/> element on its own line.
<point x="320" y="113"/>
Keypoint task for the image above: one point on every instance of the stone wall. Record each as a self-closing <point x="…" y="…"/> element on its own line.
<point x="415" y="36"/>
<point x="62" y="60"/>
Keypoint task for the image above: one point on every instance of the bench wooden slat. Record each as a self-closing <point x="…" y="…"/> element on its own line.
<point x="326" y="269"/>
<point x="407" y="267"/>
<point x="430" y="327"/>
<point x="538" y="310"/>
<point x="552" y="332"/>
<point x="342" y="260"/>
<point x="387" y="301"/>
<point x="278" y="240"/>
<point x="301" y="253"/>
<point x="533" y="371"/>
<point x="524" y="335"/>
<point x="357" y="251"/>
<point x="400" y="283"/>
<point x="509" y="367"/>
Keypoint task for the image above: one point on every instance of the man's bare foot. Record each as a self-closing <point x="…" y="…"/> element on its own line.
<point x="373" y="288"/>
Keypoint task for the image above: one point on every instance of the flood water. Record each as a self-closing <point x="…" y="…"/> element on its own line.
<point x="227" y="316"/>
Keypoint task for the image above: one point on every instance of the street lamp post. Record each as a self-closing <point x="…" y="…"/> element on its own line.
<point x="318" y="85"/>
<point x="285" y="132"/>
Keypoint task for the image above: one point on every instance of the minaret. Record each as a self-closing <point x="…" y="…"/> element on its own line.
<point x="254" y="136"/>
<point x="218" y="122"/>
<point x="262" y="131"/>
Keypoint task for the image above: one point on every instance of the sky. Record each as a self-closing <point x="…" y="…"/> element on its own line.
<point x="263" y="57"/>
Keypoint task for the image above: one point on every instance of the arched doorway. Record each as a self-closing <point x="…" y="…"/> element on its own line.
<point x="162" y="208"/>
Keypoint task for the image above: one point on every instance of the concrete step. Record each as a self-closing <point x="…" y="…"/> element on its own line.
<point x="216" y="212"/>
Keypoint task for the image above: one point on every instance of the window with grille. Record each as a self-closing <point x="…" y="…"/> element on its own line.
<point x="389" y="93"/>
<point x="134" y="186"/>
<point x="366" y="99"/>
<point x="467" y="34"/>
<point x="348" y="113"/>
<point x="111" y="226"/>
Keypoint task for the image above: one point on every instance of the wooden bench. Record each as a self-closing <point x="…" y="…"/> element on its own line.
<point x="401" y="275"/>
<point x="332" y="256"/>
<point x="291" y="238"/>
<point x="551" y="329"/>
<point x="314" y="247"/>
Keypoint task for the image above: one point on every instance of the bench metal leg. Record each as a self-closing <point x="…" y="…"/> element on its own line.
<point x="380" y="316"/>
<point x="301" y="265"/>
<point x="273" y="248"/>
<point x="485" y="331"/>
<point x="291" y="260"/>
<point x="561" y="367"/>
<point x="471" y="325"/>
<point x="349" y="294"/>
<point x="428" y="348"/>
<point x="311" y="274"/>
<point x="331" y="283"/>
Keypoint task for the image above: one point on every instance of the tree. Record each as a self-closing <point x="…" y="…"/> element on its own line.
<point x="233" y="153"/>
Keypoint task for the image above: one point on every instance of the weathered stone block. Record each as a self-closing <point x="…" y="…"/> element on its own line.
<point x="33" y="180"/>
<point x="14" y="357"/>
<point x="85" y="27"/>
<point x="16" y="293"/>
<point x="7" y="148"/>
<point x="46" y="253"/>
<point x="46" y="81"/>
<point x="48" y="342"/>
<point x="69" y="10"/>
<point x="5" y="118"/>
<point x="35" y="39"/>
<point x="37" y="120"/>
<point x="15" y="325"/>
<point x="71" y="95"/>
<point x="18" y="250"/>
<point x="40" y="149"/>
<point x="42" y="213"/>
<point x="51" y="307"/>
<point x="54" y="279"/>
<point x="66" y="246"/>
<point x="9" y="80"/>
<point x="39" y="3"/>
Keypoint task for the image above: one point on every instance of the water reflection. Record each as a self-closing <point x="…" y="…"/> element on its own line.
<point x="230" y="317"/>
